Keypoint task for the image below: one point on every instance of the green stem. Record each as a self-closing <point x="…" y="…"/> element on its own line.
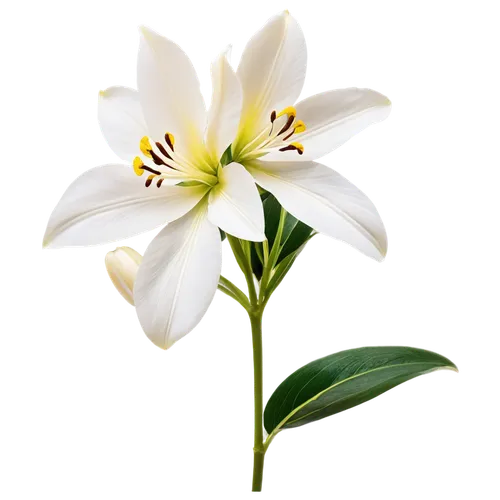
<point x="258" y="448"/>
<point x="255" y="308"/>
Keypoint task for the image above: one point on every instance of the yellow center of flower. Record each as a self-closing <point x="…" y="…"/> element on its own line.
<point x="280" y="134"/>
<point x="167" y="165"/>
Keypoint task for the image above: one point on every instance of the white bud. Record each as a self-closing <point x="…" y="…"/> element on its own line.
<point x="122" y="265"/>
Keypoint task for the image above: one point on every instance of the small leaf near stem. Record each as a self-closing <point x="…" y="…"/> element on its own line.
<point x="243" y="260"/>
<point x="259" y="252"/>
<point x="273" y="256"/>
<point x="234" y="292"/>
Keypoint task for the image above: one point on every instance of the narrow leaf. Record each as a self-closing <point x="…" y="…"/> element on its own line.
<point x="343" y="380"/>
<point x="257" y="265"/>
<point x="295" y="232"/>
<point x="227" y="156"/>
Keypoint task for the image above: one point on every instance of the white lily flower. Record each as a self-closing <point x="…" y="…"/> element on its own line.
<point x="163" y="130"/>
<point x="122" y="265"/>
<point x="277" y="141"/>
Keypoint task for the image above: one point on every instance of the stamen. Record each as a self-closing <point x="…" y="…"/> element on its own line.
<point x="138" y="166"/>
<point x="145" y="146"/>
<point x="287" y="125"/>
<point x="290" y="111"/>
<point x="149" y="180"/>
<point x="300" y="126"/>
<point x="294" y="146"/>
<point x="164" y="152"/>
<point x="152" y="170"/>
<point x="158" y="184"/>
<point x="157" y="159"/>
<point x="273" y="117"/>
<point x="169" y="138"/>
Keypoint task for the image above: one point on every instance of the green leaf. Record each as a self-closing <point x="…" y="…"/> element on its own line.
<point x="295" y="232"/>
<point x="222" y="234"/>
<point x="263" y="193"/>
<point x="296" y="240"/>
<point x="343" y="380"/>
<point x="257" y="264"/>
<point x="227" y="156"/>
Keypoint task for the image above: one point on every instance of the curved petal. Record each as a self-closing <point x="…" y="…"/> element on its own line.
<point x="326" y="201"/>
<point x="122" y="265"/>
<point x="235" y="205"/>
<point x="170" y="95"/>
<point x="332" y="118"/>
<point x="178" y="278"/>
<point x="272" y="72"/>
<point x="110" y="202"/>
<point x="224" y="114"/>
<point x="121" y="121"/>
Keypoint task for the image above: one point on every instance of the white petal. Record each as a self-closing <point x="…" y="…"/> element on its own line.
<point x="121" y="120"/>
<point x="178" y="278"/>
<point x="224" y="114"/>
<point x="122" y="265"/>
<point x="235" y="205"/>
<point x="110" y="202"/>
<point x="272" y="72"/>
<point x="332" y="118"/>
<point x="326" y="201"/>
<point x="170" y="93"/>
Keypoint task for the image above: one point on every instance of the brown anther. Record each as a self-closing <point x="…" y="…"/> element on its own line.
<point x="149" y="180"/>
<point x="158" y="184"/>
<point x="164" y="152"/>
<point x="273" y="116"/>
<point x="291" y="147"/>
<point x="157" y="159"/>
<point x="149" y="169"/>
<point x="169" y="141"/>
<point x="287" y="125"/>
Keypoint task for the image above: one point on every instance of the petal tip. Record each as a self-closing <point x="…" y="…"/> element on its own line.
<point x="148" y="33"/>
<point x="261" y="237"/>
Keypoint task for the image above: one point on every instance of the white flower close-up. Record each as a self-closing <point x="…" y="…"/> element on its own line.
<point x="175" y="174"/>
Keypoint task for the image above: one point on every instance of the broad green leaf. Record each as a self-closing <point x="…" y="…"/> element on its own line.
<point x="340" y="381"/>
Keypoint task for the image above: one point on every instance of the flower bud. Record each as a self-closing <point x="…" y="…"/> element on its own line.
<point x="122" y="265"/>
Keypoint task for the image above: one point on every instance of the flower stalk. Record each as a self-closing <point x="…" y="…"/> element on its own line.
<point x="258" y="448"/>
<point x="255" y="305"/>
